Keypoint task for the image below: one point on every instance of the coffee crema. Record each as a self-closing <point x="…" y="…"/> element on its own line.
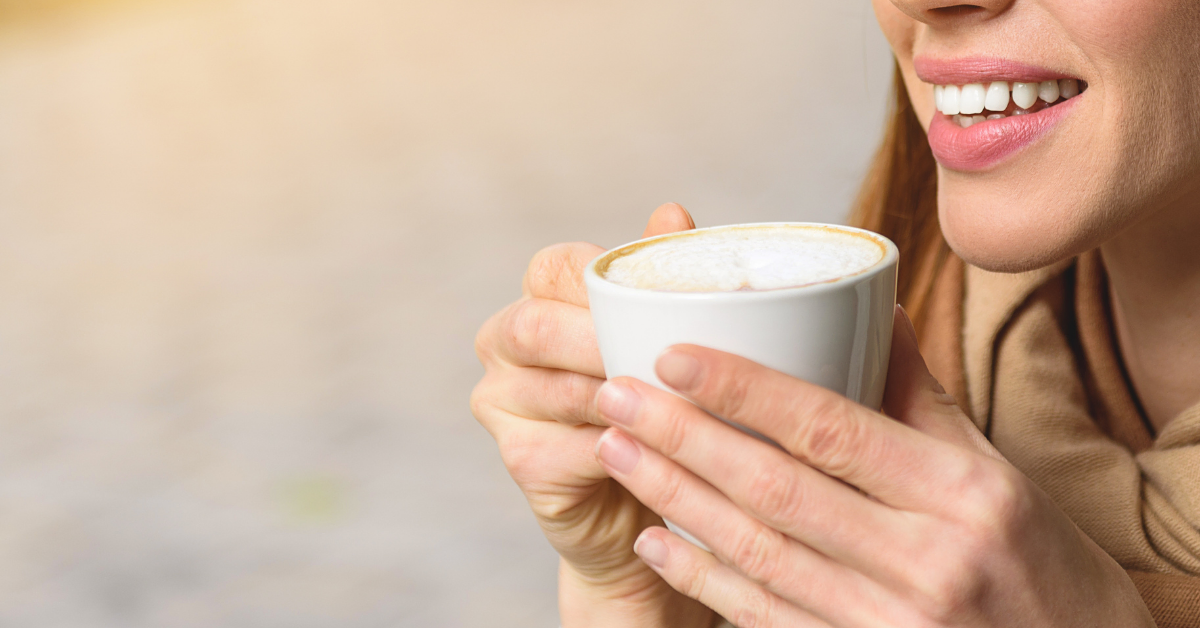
<point x="742" y="258"/>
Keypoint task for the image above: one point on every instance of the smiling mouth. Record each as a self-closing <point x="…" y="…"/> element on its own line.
<point x="975" y="103"/>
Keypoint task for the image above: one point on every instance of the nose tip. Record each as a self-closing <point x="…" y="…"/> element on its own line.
<point x="942" y="12"/>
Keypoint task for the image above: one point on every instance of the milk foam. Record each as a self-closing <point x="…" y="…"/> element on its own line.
<point x="744" y="258"/>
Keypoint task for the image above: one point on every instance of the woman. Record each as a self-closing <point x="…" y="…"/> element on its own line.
<point x="1057" y="483"/>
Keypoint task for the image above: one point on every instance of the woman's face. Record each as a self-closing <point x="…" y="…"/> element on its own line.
<point x="1043" y="183"/>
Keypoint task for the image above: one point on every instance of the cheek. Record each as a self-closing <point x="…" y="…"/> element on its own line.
<point x="901" y="32"/>
<point x="1058" y="199"/>
<point x="1122" y="157"/>
<point x="919" y="93"/>
<point x="899" y="29"/>
<point x="1120" y="28"/>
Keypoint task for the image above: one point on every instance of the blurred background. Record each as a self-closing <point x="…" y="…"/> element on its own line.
<point x="245" y="246"/>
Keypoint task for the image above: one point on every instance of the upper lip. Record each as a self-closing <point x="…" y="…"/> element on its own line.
<point x="967" y="70"/>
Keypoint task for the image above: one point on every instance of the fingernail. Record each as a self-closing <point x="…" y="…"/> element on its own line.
<point x="619" y="403"/>
<point x="651" y="550"/>
<point x="678" y="370"/>
<point x="618" y="452"/>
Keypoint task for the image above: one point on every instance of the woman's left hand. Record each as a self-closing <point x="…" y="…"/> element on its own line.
<point x="910" y="519"/>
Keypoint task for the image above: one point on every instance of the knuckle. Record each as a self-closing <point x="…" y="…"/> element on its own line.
<point x="756" y="609"/>
<point x="527" y="331"/>
<point x="547" y="268"/>
<point x="774" y="493"/>
<point x="952" y="596"/>
<point x="673" y="434"/>
<point x="736" y="396"/>
<point x="950" y="579"/>
<point x="671" y="492"/>
<point x="520" y="455"/>
<point x="575" y="399"/>
<point x="485" y="340"/>
<point x="481" y="404"/>
<point x="1000" y="503"/>
<point x="829" y="436"/>
<point x="1009" y="496"/>
<point x="693" y="579"/>
<point x="754" y="553"/>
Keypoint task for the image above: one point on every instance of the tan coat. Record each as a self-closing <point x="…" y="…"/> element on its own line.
<point x="1032" y="359"/>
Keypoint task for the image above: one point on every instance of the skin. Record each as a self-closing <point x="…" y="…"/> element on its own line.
<point x="538" y="400"/>
<point x="909" y="519"/>
<point x="1121" y="173"/>
<point x="864" y="520"/>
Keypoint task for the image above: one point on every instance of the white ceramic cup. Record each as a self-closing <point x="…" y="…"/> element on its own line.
<point x="836" y="334"/>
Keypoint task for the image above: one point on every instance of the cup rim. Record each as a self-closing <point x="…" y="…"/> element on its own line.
<point x="890" y="258"/>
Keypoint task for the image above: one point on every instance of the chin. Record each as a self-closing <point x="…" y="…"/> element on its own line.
<point x="1011" y="233"/>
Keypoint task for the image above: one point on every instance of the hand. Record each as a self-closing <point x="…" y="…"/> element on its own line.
<point x="537" y="400"/>
<point x="913" y="520"/>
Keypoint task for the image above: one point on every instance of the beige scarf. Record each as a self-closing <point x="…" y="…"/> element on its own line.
<point x="1032" y="359"/>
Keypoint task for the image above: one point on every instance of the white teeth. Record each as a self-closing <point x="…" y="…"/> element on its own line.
<point x="966" y="102"/>
<point x="1048" y="91"/>
<point x="967" y="122"/>
<point x="1025" y="94"/>
<point x="997" y="96"/>
<point x="997" y="116"/>
<point x="970" y="100"/>
<point x="950" y="104"/>
<point x="1068" y="88"/>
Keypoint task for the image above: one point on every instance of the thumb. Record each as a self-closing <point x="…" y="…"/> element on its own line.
<point x="668" y="218"/>
<point x="914" y="396"/>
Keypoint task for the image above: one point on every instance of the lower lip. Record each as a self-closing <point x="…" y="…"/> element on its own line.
<point x="985" y="144"/>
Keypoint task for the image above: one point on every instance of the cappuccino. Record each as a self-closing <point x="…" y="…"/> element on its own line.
<point x="809" y="300"/>
<point x="741" y="258"/>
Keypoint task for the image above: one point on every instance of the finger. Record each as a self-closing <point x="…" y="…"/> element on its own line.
<point x="556" y="273"/>
<point x="761" y="553"/>
<point x="542" y="453"/>
<point x="545" y="333"/>
<point x="775" y="488"/>
<point x="889" y="460"/>
<point x="668" y="218"/>
<point x="541" y="394"/>
<point x="700" y="576"/>
<point x="915" y="397"/>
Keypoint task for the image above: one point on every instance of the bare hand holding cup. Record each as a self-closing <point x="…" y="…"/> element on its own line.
<point x="907" y="518"/>
<point x="537" y="399"/>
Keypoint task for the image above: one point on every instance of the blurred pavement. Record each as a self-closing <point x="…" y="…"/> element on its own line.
<point x="245" y="246"/>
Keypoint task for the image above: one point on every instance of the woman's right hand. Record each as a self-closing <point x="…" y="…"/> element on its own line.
<point x="537" y="399"/>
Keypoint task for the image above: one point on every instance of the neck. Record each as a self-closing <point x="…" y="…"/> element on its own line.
<point x="1154" y="277"/>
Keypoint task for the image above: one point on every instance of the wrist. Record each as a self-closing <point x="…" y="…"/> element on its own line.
<point x="641" y="600"/>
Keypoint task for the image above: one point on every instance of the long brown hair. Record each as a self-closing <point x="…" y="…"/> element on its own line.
<point x="899" y="200"/>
